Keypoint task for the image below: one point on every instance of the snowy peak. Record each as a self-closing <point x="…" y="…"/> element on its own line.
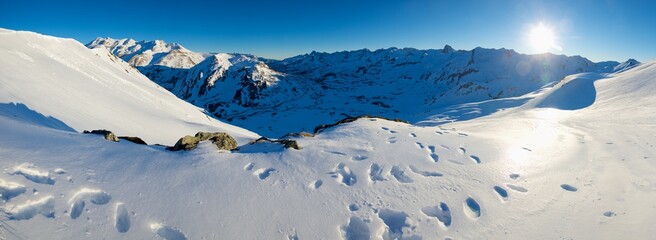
<point x="628" y="64"/>
<point x="147" y="53"/>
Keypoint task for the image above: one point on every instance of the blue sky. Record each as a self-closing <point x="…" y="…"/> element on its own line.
<point x="598" y="30"/>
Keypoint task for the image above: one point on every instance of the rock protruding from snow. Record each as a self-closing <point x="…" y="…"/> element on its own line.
<point x="108" y="135"/>
<point x="223" y="141"/>
<point x="628" y="64"/>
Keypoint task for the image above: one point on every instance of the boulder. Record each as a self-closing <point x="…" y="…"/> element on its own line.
<point x="108" y="135"/>
<point x="285" y="142"/>
<point x="136" y="140"/>
<point x="185" y="143"/>
<point x="222" y="141"/>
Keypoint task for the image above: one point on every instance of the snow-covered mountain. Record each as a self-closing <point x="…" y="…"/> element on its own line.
<point x="302" y="92"/>
<point x="74" y="88"/>
<point x="147" y="53"/>
<point x="569" y="161"/>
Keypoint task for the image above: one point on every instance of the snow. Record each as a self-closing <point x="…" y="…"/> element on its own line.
<point x="539" y="168"/>
<point x="62" y="84"/>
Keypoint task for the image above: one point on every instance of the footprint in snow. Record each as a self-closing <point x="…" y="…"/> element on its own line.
<point x="568" y="187"/>
<point x="316" y="184"/>
<point x="462" y="150"/>
<point x="413" y="135"/>
<point x="166" y="232"/>
<point x="472" y="209"/>
<point x="249" y="166"/>
<point x="376" y="173"/>
<point x="263" y="173"/>
<point x="513" y="176"/>
<point x="475" y="158"/>
<point x="121" y="218"/>
<point x="359" y="158"/>
<point x="78" y="201"/>
<point x="399" y="174"/>
<point x="30" y="172"/>
<point x="9" y="190"/>
<point x="441" y="212"/>
<point x="44" y="206"/>
<point x="397" y="224"/>
<point x="503" y="194"/>
<point x="344" y="175"/>
<point x="355" y="229"/>
<point x="517" y="188"/>
<point x="419" y="145"/>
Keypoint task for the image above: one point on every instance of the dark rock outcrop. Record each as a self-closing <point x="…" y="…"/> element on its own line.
<point x="136" y="140"/>
<point x="223" y="141"/>
<point x="287" y="143"/>
<point x="108" y="135"/>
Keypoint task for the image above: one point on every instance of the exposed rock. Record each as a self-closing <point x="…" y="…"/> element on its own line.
<point x="109" y="135"/>
<point x="352" y="119"/>
<point x="285" y="142"/>
<point x="185" y="143"/>
<point x="299" y="134"/>
<point x="136" y="140"/>
<point x="222" y="140"/>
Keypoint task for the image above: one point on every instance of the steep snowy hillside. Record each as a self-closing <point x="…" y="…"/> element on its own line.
<point x="302" y="92"/>
<point x="547" y="170"/>
<point x="60" y="83"/>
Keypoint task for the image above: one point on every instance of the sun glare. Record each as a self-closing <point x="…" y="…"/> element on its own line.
<point x="542" y="38"/>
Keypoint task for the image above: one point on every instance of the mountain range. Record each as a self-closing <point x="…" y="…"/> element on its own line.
<point x="301" y="92"/>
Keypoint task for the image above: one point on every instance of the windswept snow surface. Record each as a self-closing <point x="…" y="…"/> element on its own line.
<point x="510" y="175"/>
<point x="62" y="84"/>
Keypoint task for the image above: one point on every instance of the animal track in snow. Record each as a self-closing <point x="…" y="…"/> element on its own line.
<point x="441" y="212"/>
<point x="353" y="207"/>
<point x="517" y="188"/>
<point x="344" y="175"/>
<point x="44" y="206"/>
<point x="432" y="153"/>
<point x="399" y="174"/>
<point x="78" y="201"/>
<point x="356" y="229"/>
<point x="462" y="150"/>
<point x="167" y="232"/>
<point x="395" y="222"/>
<point x="413" y="135"/>
<point x="445" y="147"/>
<point x="121" y="218"/>
<point x="425" y="173"/>
<point x="9" y="190"/>
<point x="568" y="187"/>
<point x="471" y="208"/>
<point x="316" y="184"/>
<point x="263" y="173"/>
<point x="514" y="176"/>
<point x="385" y="128"/>
<point x="359" y="158"/>
<point x="391" y="140"/>
<point x="420" y="145"/>
<point x="502" y="192"/>
<point x="609" y="214"/>
<point x="249" y="166"/>
<point x="475" y="159"/>
<point x="456" y="162"/>
<point x="463" y="134"/>
<point x="376" y="173"/>
<point x="31" y="173"/>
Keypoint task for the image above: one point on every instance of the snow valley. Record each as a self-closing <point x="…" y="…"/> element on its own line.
<point x="480" y="144"/>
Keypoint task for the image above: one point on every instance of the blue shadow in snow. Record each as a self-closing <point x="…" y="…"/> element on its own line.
<point x="24" y="114"/>
<point x="577" y="93"/>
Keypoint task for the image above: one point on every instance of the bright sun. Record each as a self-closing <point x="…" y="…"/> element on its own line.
<point x="542" y="38"/>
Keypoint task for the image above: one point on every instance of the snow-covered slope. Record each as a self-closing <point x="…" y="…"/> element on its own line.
<point x="541" y="171"/>
<point x="147" y="53"/>
<point x="82" y="89"/>
<point x="302" y="92"/>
